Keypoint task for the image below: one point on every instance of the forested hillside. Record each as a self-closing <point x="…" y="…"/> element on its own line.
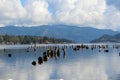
<point x="6" y="39"/>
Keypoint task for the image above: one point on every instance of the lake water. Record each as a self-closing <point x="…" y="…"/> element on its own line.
<point x="83" y="64"/>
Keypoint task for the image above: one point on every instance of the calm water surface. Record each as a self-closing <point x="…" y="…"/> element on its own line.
<point x="71" y="65"/>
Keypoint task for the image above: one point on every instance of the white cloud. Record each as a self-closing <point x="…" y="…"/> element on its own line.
<point x="81" y="12"/>
<point x="10" y="11"/>
<point x="37" y="12"/>
<point x="34" y="12"/>
<point x="112" y="18"/>
<point x="96" y="13"/>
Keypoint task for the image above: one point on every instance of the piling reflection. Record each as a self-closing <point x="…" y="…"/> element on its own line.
<point x="64" y="53"/>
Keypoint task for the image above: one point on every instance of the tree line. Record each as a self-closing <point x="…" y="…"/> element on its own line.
<point x="12" y="39"/>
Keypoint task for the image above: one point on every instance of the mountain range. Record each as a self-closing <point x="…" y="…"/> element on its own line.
<point x="75" y="33"/>
<point x="108" y="38"/>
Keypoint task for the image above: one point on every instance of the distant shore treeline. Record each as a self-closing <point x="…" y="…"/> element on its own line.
<point x="10" y="39"/>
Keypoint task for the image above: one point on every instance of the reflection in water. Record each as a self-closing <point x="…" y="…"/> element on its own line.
<point x="82" y="62"/>
<point x="82" y="71"/>
<point x="64" y="53"/>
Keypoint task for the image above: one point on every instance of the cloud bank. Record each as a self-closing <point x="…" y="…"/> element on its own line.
<point x="96" y="13"/>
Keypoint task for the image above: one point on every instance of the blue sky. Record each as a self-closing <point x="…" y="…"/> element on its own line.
<point x="22" y="1"/>
<point x="103" y="14"/>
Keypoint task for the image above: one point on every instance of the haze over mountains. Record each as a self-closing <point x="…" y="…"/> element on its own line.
<point x="77" y="34"/>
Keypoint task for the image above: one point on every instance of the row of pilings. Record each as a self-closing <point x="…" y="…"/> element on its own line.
<point x="58" y="51"/>
<point x="54" y="51"/>
<point x="49" y="52"/>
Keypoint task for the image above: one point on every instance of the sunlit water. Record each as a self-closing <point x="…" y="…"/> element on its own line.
<point x="73" y="65"/>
